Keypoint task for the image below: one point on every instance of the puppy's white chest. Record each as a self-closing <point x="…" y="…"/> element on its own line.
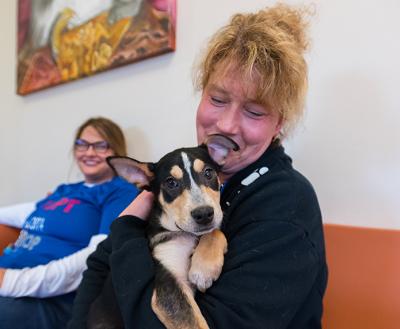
<point x="175" y="255"/>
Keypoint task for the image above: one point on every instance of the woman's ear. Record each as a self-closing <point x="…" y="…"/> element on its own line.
<point x="135" y="172"/>
<point x="278" y="128"/>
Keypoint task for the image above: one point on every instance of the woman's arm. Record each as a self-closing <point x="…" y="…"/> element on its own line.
<point x="2" y="271"/>
<point x="91" y="284"/>
<point x="273" y="265"/>
<point x="116" y="202"/>
<point x="98" y="262"/>
<point x="135" y="273"/>
<point x="55" y="278"/>
<point x="262" y="284"/>
<point x="16" y="215"/>
<point x="99" y="268"/>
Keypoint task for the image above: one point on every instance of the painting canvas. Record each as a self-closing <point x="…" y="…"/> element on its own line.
<point x="63" y="40"/>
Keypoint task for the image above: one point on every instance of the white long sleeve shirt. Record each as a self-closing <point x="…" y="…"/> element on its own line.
<point x="16" y="215"/>
<point x="55" y="278"/>
<point x="63" y="274"/>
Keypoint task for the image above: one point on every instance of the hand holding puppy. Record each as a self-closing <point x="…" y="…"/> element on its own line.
<point x="141" y="206"/>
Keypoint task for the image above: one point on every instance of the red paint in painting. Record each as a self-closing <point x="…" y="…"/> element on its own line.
<point x="24" y="12"/>
<point x="41" y="71"/>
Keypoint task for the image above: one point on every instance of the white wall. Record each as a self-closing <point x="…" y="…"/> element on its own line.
<point x="348" y="144"/>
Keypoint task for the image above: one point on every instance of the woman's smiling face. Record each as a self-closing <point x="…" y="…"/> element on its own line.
<point x="93" y="163"/>
<point x="228" y="107"/>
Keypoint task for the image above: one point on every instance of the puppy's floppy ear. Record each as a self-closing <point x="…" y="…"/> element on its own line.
<point x="136" y="172"/>
<point x="219" y="146"/>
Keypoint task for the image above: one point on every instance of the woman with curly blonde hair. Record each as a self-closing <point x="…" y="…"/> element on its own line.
<point x="253" y="79"/>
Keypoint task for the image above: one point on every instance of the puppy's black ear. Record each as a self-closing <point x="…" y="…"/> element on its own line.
<point x="219" y="146"/>
<point x="136" y="172"/>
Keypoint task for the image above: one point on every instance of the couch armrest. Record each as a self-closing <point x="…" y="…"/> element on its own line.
<point x="364" y="278"/>
<point x="8" y="235"/>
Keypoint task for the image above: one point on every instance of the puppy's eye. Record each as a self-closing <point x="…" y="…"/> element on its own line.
<point x="209" y="173"/>
<point x="171" y="182"/>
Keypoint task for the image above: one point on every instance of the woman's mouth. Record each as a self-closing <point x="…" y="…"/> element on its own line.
<point x="90" y="162"/>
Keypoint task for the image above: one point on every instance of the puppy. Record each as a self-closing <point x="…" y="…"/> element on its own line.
<point x="184" y="238"/>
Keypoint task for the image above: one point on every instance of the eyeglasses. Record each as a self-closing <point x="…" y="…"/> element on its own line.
<point x="100" y="147"/>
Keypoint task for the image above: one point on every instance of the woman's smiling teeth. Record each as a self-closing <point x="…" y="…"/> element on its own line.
<point x="90" y="162"/>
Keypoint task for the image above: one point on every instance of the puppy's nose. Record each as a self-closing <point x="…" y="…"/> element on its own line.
<point x="203" y="215"/>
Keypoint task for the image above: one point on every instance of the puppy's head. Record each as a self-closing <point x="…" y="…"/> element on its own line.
<point x="185" y="184"/>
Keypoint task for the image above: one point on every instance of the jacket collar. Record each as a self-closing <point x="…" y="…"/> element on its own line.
<point x="245" y="177"/>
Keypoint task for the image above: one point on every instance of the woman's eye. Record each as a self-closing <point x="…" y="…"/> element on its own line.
<point x="208" y="173"/>
<point x="171" y="183"/>
<point x="217" y="101"/>
<point x="254" y="114"/>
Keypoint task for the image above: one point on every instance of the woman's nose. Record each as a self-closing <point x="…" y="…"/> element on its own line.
<point x="90" y="150"/>
<point x="228" y="121"/>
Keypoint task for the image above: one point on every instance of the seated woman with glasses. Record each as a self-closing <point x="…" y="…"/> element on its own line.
<point x="40" y="272"/>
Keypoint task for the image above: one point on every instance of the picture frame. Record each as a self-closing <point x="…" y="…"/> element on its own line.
<point x="63" y="40"/>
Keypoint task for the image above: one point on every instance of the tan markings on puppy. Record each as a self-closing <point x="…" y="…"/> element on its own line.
<point x="212" y="198"/>
<point x="182" y="207"/>
<point x="174" y="255"/>
<point x="167" y="218"/>
<point x="168" y="321"/>
<point x="176" y="211"/>
<point x="176" y="172"/>
<point x="160" y="312"/>
<point x="200" y="321"/>
<point x="211" y="192"/>
<point x="208" y="259"/>
<point x="164" y="316"/>
<point x="198" y="165"/>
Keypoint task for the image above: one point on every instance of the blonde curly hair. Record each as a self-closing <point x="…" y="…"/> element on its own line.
<point x="266" y="47"/>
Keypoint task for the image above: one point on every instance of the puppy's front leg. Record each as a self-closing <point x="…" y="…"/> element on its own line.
<point x="176" y="307"/>
<point x="172" y="299"/>
<point x="207" y="260"/>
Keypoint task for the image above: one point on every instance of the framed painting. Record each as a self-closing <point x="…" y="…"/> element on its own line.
<point x="63" y="40"/>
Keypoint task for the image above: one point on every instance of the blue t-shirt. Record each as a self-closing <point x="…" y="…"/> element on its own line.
<point x="64" y="222"/>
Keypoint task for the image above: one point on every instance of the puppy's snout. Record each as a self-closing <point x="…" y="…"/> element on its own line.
<point x="203" y="215"/>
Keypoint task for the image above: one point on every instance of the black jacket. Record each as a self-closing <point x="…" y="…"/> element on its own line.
<point x="274" y="275"/>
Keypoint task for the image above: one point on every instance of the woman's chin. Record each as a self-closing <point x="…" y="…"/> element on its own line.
<point x="97" y="177"/>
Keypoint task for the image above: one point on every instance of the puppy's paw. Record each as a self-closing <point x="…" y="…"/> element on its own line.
<point x="207" y="260"/>
<point x="204" y="272"/>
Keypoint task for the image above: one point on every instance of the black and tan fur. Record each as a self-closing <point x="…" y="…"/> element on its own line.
<point x="187" y="247"/>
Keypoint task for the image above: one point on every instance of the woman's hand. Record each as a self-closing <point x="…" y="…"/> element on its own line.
<point x="141" y="206"/>
<point x="2" y="272"/>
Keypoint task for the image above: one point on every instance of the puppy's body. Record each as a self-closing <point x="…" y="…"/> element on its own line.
<point x="183" y="232"/>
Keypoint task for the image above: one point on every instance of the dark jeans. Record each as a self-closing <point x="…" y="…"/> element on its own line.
<point x="36" y="313"/>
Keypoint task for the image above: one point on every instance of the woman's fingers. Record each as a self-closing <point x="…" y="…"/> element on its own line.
<point x="141" y="206"/>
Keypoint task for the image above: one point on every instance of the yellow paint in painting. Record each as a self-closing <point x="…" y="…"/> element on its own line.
<point x="87" y="48"/>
